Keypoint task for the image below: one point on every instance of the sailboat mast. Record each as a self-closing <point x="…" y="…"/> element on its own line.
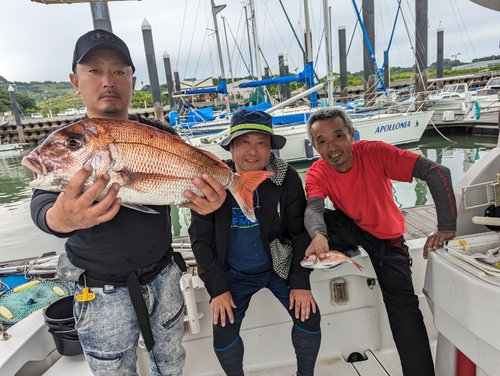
<point x="215" y="11"/>
<point x="255" y="40"/>
<point x="308" y="35"/>
<point x="229" y="59"/>
<point x="328" y="45"/>
<point x="249" y="44"/>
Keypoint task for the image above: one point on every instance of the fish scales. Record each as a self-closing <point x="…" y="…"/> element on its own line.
<point x="152" y="166"/>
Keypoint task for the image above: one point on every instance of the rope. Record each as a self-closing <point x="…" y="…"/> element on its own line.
<point x="297" y="38"/>
<point x="238" y="48"/>
<point x="460" y="29"/>
<point x="182" y="33"/>
<point x="442" y="135"/>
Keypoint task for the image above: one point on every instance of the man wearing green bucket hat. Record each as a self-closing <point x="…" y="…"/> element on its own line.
<point x="237" y="257"/>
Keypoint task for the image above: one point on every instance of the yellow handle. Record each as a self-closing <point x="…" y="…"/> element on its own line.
<point x="26" y="286"/>
<point x="85" y="296"/>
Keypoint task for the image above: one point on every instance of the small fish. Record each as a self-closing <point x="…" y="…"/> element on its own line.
<point x="152" y="166"/>
<point x="333" y="258"/>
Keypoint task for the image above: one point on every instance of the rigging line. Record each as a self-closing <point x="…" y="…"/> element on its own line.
<point x="270" y="33"/>
<point x="287" y="47"/>
<point x="240" y="32"/>
<point x="460" y="29"/>
<point x="192" y="39"/>
<point x="319" y="49"/>
<point x="467" y="33"/>
<point x="410" y="40"/>
<point x="397" y="45"/>
<point x="265" y="61"/>
<point x="298" y="41"/>
<point x="270" y="72"/>
<point x="352" y="35"/>
<point x="182" y="33"/>
<point x="321" y="32"/>
<point x="348" y="50"/>
<point x="392" y="35"/>
<point x="369" y="47"/>
<point x="294" y="33"/>
<point x="382" y="19"/>
<point x="419" y="43"/>
<point x="238" y="47"/>
<point x="200" y="53"/>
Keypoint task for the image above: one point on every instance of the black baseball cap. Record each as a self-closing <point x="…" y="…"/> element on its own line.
<point x="99" y="38"/>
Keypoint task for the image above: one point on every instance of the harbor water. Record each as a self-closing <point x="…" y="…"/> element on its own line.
<point x="19" y="238"/>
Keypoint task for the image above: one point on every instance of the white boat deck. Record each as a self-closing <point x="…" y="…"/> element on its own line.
<point x="376" y="364"/>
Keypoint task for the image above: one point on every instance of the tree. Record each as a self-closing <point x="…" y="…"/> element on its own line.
<point x="142" y="99"/>
<point x="24" y="102"/>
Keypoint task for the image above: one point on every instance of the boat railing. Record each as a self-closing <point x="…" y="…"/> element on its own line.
<point x="221" y="135"/>
<point x="418" y="102"/>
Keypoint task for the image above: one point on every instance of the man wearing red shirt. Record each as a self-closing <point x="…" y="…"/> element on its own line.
<point x="356" y="177"/>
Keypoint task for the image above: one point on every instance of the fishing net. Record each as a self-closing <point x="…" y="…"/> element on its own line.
<point x="23" y="303"/>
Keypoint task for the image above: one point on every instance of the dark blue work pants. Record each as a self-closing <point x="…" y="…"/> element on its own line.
<point x="228" y="346"/>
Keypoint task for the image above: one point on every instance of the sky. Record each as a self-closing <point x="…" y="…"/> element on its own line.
<point x="37" y="40"/>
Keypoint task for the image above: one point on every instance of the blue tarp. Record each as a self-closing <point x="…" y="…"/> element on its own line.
<point x="291" y="119"/>
<point x="307" y="75"/>
<point x="198" y="116"/>
<point x="262" y="106"/>
<point x="221" y="89"/>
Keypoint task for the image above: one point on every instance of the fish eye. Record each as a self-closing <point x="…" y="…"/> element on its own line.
<point x="73" y="143"/>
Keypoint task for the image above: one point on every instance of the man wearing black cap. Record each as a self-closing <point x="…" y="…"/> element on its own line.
<point x="127" y="273"/>
<point x="237" y="258"/>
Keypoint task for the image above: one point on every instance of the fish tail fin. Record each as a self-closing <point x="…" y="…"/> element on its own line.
<point x="244" y="184"/>
<point x="356" y="265"/>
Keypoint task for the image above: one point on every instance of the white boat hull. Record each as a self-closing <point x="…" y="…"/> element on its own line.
<point x="488" y="103"/>
<point x="396" y="129"/>
<point x="449" y="104"/>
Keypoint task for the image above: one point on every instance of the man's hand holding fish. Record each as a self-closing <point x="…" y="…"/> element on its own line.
<point x="214" y="192"/>
<point x="75" y="209"/>
<point x="319" y="246"/>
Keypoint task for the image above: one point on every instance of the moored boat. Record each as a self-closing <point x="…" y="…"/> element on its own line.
<point x="396" y="129"/>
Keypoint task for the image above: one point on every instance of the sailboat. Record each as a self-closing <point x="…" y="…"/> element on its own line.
<point x="394" y="128"/>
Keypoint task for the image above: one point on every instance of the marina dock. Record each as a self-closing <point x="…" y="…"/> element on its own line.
<point x="487" y="124"/>
<point x="420" y="221"/>
<point x="35" y="129"/>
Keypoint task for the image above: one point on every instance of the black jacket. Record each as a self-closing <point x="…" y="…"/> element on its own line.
<point x="282" y="203"/>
